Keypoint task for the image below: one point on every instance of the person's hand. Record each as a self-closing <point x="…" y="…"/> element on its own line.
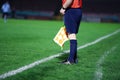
<point x="62" y="11"/>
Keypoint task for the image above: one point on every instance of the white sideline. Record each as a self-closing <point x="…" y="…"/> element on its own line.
<point x="98" y="73"/>
<point x="21" y="69"/>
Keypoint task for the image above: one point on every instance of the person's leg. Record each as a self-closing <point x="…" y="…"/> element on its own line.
<point x="72" y="19"/>
<point x="73" y="48"/>
<point x="5" y="18"/>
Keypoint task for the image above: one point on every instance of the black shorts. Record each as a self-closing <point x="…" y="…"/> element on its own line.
<point x="5" y="13"/>
<point x="72" y="19"/>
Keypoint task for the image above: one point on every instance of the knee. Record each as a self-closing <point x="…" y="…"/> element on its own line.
<point x="72" y="36"/>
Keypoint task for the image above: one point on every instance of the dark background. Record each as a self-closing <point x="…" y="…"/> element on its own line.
<point x="89" y="6"/>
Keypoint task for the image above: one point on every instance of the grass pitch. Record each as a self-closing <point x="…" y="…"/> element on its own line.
<point x="25" y="41"/>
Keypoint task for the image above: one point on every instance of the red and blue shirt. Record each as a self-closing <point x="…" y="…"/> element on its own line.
<point x="75" y="3"/>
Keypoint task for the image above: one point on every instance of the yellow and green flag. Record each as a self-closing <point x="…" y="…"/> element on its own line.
<point x="61" y="37"/>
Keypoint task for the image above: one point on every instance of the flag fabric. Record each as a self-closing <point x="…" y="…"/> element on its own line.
<point x="61" y="37"/>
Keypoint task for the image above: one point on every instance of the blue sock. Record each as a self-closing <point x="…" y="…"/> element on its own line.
<point x="73" y="51"/>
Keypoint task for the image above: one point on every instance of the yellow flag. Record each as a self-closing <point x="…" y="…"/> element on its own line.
<point x="61" y="37"/>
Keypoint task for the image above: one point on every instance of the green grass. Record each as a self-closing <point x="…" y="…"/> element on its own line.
<point x="111" y="65"/>
<point x="25" y="41"/>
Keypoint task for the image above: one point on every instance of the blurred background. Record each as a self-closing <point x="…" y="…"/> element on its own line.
<point x="93" y="10"/>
